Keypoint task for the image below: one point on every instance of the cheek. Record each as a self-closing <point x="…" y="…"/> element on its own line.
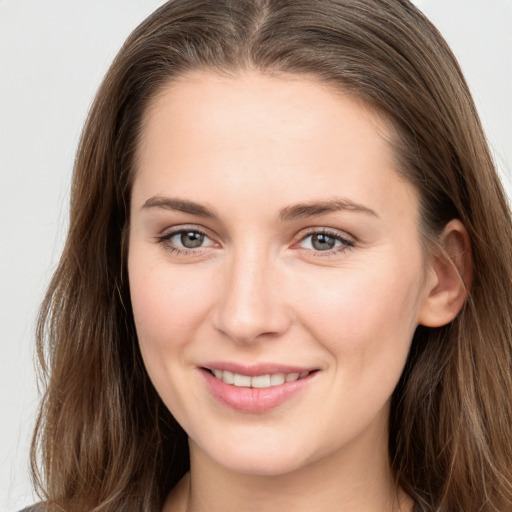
<point x="167" y="304"/>
<point x="168" y="307"/>
<point x="365" y="319"/>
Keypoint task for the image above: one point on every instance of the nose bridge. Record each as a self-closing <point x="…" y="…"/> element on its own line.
<point x="249" y="305"/>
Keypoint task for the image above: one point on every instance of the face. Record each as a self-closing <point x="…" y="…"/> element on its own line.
<point x="276" y="268"/>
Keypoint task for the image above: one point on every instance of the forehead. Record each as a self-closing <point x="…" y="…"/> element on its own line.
<point x="206" y="132"/>
<point x="264" y="105"/>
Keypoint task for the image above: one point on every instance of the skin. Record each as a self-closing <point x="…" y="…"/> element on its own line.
<point x="248" y="148"/>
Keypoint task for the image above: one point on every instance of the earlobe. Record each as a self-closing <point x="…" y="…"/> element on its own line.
<point x="450" y="277"/>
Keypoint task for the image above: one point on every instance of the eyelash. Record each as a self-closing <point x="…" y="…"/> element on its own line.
<point x="346" y="243"/>
<point x="165" y="241"/>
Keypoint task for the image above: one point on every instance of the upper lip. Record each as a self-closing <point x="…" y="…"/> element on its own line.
<point x="257" y="368"/>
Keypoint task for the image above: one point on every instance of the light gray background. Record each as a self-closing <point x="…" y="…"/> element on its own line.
<point x="53" y="54"/>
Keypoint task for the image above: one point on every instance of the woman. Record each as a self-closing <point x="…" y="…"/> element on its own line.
<point x="287" y="278"/>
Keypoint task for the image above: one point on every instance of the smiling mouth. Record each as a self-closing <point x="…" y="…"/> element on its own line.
<point x="256" y="388"/>
<point x="257" y="381"/>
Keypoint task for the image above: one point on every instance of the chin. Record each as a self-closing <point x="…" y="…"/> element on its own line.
<point x="262" y="465"/>
<point x="270" y="458"/>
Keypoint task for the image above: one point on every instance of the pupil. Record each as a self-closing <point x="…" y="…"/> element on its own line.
<point x="191" y="239"/>
<point x="322" y="242"/>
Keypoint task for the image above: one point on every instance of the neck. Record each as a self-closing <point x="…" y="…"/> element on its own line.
<point x="347" y="480"/>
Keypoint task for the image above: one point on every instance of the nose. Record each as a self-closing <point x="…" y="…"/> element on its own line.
<point x="251" y="304"/>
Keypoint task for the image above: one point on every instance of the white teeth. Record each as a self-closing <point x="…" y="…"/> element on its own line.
<point x="228" y="377"/>
<point x="258" y="381"/>
<point x="277" y="379"/>
<point x="242" y="381"/>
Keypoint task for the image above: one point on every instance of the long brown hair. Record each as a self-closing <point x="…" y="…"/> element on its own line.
<point x="104" y="441"/>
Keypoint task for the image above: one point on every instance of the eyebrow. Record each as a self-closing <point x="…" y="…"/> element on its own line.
<point x="303" y="210"/>
<point x="292" y="212"/>
<point x="181" y="205"/>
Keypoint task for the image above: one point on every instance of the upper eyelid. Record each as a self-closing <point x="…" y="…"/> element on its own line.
<point x="169" y="232"/>
<point x="336" y="233"/>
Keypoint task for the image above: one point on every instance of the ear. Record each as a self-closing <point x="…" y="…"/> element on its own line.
<point x="449" y="279"/>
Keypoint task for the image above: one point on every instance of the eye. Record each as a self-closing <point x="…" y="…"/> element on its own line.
<point x="325" y="241"/>
<point x="188" y="239"/>
<point x="185" y="240"/>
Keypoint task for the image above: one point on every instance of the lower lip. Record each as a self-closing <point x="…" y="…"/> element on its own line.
<point x="254" y="400"/>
